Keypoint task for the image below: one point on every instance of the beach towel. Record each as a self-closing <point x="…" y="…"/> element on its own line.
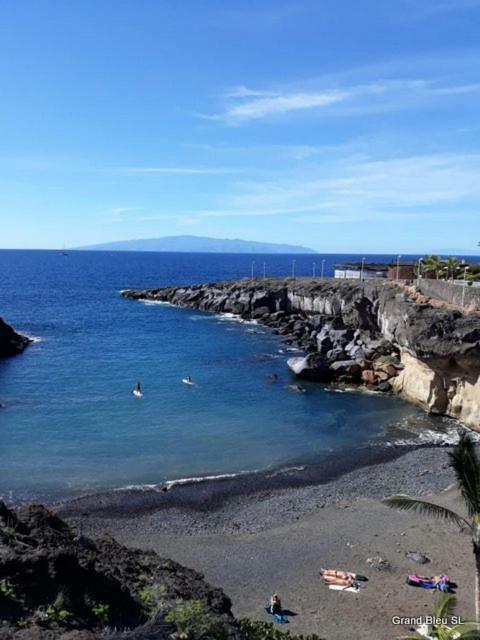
<point x="443" y="584"/>
<point x="280" y="618"/>
<point x="338" y="587"/>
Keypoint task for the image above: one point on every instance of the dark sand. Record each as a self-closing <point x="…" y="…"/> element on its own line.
<point x="276" y="539"/>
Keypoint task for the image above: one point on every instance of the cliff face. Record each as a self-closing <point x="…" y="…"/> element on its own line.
<point x="371" y="333"/>
<point x="55" y="583"/>
<point x="11" y="342"/>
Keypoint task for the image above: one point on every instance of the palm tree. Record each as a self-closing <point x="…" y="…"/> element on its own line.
<point x="452" y="266"/>
<point x="466" y="466"/>
<point x="443" y="610"/>
<point x="433" y="264"/>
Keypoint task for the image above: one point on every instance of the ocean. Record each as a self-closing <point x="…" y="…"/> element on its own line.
<point x="70" y="424"/>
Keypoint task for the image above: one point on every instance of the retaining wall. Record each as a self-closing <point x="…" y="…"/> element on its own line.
<point x="452" y="292"/>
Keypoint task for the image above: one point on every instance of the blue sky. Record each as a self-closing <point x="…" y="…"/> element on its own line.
<point x="341" y="125"/>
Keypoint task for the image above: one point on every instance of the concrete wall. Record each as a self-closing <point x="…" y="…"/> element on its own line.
<point x="450" y="292"/>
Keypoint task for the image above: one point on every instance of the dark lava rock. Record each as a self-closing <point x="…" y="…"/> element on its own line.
<point x="11" y="342"/>
<point x="56" y="584"/>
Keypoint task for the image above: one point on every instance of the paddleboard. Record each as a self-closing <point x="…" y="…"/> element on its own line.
<point x="186" y="381"/>
<point x="137" y="393"/>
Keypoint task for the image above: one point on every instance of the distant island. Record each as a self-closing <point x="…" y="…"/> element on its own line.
<point x="197" y="244"/>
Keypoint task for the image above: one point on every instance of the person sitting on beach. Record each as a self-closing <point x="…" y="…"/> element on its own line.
<point x="274" y="604"/>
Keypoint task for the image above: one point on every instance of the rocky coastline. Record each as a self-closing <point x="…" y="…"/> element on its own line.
<point x="372" y="333"/>
<point x="11" y="342"/>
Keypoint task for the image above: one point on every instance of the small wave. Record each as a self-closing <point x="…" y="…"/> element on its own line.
<point x="34" y="339"/>
<point x="445" y="438"/>
<point x="151" y="303"/>
<point x="280" y="472"/>
<point x="180" y="482"/>
<point x="233" y="317"/>
<point x="195" y="480"/>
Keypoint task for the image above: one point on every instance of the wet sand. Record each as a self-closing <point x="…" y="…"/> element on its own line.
<point x="277" y="539"/>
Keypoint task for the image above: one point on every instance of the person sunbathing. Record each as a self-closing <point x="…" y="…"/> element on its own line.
<point x="339" y="581"/>
<point x="333" y="573"/>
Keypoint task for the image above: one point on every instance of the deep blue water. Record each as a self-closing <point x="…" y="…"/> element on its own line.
<point x="70" y="423"/>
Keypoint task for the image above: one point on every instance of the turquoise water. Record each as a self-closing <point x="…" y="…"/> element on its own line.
<point x="70" y="423"/>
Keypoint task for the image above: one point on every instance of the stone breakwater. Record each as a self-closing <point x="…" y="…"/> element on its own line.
<point x="11" y="342"/>
<point x="368" y="333"/>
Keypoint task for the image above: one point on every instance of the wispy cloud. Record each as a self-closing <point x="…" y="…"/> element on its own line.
<point x="383" y="94"/>
<point x="175" y="170"/>
<point x="421" y="185"/>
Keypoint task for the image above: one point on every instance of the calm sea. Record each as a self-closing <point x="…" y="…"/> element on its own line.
<point x="70" y="423"/>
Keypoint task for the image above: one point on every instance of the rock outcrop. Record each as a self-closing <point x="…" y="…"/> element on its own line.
<point x="373" y="333"/>
<point x="55" y="583"/>
<point x="11" y="342"/>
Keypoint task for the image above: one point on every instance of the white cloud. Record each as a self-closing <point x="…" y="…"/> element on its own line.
<point x="383" y="94"/>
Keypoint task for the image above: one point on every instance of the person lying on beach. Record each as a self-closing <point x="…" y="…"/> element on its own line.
<point x="440" y="582"/>
<point x="340" y="582"/>
<point x="333" y="573"/>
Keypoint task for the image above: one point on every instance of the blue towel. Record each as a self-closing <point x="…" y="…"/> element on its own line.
<point x="280" y="618"/>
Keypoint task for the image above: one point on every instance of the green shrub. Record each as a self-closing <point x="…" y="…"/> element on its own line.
<point x="7" y="590"/>
<point x="101" y="611"/>
<point x="58" y="615"/>
<point x="194" y="622"/>
<point x="253" y="630"/>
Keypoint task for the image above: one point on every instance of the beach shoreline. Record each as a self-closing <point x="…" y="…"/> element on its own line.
<point x="211" y="493"/>
<point x="277" y="538"/>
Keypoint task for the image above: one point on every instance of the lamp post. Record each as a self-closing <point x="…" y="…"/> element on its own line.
<point x="323" y="268"/>
<point x="264" y="270"/>
<point x="293" y="269"/>
<point x="313" y="270"/>
<point x="398" y="266"/>
<point x="464" y="285"/>
<point x="253" y="268"/>
<point x="362" y="269"/>
<point x="419" y="271"/>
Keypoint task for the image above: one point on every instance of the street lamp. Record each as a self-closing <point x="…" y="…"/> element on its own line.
<point x="419" y="271"/>
<point x="464" y="285"/>
<point x="323" y="268"/>
<point x="293" y="269"/>
<point x="362" y="269"/>
<point x="398" y="266"/>
<point x="264" y="270"/>
<point x="253" y="268"/>
<point x="313" y="270"/>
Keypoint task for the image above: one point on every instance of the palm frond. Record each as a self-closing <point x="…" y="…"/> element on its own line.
<point x="407" y="503"/>
<point x="465" y="463"/>
<point x="445" y="605"/>
<point x="465" y="631"/>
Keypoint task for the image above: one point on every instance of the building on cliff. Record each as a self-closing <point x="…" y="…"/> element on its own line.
<point x="370" y="270"/>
